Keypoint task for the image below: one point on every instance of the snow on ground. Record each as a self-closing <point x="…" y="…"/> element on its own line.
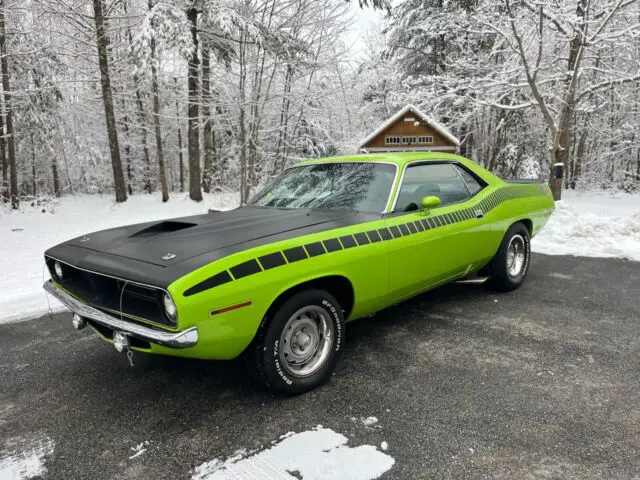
<point x="588" y="224"/>
<point x="313" y="455"/>
<point x="593" y="225"/>
<point x="25" y="235"/>
<point x="27" y="460"/>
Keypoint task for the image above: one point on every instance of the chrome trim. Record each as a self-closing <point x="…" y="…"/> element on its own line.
<point x="404" y="169"/>
<point x="395" y="177"/>
<point x="108" y="276"/>
<point x="184" y="339"/>
<point x="466" y="185"/>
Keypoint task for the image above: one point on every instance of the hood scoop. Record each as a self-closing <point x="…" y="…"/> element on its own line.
<point x="163" y="227"/>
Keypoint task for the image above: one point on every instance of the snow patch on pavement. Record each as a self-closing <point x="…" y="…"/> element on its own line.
<point x="25" y="459"/>
<point x="612" y="231"/>
<point x="317" y="454"/>
<point x="26" y="234"/>
<point x="139" y="449"/>
<point x="369" y="421"/>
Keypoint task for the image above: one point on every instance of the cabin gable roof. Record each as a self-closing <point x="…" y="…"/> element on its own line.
<point x="416" y="111"/>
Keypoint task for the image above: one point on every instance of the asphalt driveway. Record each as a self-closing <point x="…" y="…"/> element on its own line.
<point x="543" y="382"/>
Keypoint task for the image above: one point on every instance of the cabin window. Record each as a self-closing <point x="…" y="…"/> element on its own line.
<point x="409" y="119"/>
<point x="409" y="140"/>
<point x="425" y="139"/>
<point x="391" y="140"/>
<point x="430" y="179"/>
<point x="473" y="184"/>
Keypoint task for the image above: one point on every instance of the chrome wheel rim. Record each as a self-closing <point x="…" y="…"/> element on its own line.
<point x="516" y="255"/>
<point x="306" y="341"/>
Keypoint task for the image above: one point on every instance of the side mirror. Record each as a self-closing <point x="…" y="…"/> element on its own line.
<point x="430" y="202"/>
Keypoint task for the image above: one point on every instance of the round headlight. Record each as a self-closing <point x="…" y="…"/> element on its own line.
<point x="58" y="269"/>
<point x="169" y="307"/>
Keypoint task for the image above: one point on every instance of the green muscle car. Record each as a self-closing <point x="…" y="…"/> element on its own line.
<point x="329" y="241"/>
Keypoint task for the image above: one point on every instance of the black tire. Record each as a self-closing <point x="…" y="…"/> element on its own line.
<point x="503" y="271"/>
<point x="267" y="356"/>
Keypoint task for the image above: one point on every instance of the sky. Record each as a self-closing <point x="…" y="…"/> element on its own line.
<point x="364" y="24"/>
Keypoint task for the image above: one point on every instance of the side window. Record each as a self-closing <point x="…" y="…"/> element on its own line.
<point x="440" y="180"/>
<point x="473" y="184"/>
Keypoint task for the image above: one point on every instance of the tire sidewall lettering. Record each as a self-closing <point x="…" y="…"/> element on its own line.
<point x="334" y="312"/>
<point x="336" y="323"/>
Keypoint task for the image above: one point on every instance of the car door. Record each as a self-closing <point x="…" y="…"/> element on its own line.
<point x="431" y="247"/>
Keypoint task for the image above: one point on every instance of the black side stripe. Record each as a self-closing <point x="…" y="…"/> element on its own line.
<point x="362" y="238"/>
<point x="374" y="236"/>
<point x="385" y="234"/>
<point x="298" y="253"/>
<point x="272" y="260"/>
<point x="295" y="254"/>
<point x="211" y="282"/>
<point x="245" y="269"/>
<point x="347" y="241"/>
<point x="314" y="249"/>
<point x="332" y="245"/>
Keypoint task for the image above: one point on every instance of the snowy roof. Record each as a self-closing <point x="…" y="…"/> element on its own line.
<point x="413" y="109"/>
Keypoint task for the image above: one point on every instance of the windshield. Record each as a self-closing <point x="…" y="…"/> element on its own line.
<point x="354" y="186"/>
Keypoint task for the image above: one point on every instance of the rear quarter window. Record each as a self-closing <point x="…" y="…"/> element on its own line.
<point x="473" y="183"/>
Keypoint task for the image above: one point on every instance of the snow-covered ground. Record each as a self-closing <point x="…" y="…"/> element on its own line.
<point x="601" y="225"/>
<point x="593" y="225"/>
<point x="25" y="235"/>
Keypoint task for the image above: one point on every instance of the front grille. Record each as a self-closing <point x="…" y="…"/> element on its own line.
<point x="109" y="294"/>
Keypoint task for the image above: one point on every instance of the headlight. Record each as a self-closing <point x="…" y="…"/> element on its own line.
<point x="170" y="307"/>
<point x="58" y="269"/>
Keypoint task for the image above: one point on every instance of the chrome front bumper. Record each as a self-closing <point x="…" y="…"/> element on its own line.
<point x="185" y="339"/>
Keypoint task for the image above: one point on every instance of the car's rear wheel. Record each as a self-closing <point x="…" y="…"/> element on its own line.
<point x="510" y="265"/>
<point x="298" y="346"/>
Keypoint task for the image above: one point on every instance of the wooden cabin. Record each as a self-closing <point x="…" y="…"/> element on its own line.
<point x="410" y="130"/>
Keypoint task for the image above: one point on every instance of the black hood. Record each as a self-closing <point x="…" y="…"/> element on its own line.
<point x="172" y="248"/>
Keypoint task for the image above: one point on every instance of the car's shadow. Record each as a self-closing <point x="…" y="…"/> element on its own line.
<point x="192" y="376"/>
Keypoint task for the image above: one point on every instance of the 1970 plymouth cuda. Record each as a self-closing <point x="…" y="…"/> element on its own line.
<point x="329" y="241"/>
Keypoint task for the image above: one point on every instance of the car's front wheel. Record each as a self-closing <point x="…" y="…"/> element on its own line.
<point x="298" y="346"/>
<point x="510" y="265"/>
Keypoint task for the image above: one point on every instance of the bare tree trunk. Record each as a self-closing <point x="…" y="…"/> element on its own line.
<point x="284" y="121"/>
<point x="107" y="97"/>
<point x="564" y="134"/>
<point x="193" y="130"/>
<point x="33" y="165"/>
<point x="142" y="121"/>
<point x="148" y="185"/>
<point x="242" y="134"/>
<point x="4" y="65"/>
<point x="180" y="154"/>
<point x="206" y="114"/>
<point x="56" y="178"/>
<point x="127" y="148"/>
<point x="156" y="118"/>
<point x="3" y="149"/>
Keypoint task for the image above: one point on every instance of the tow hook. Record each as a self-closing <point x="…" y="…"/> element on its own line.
<point x="78" y="322"/>
<point x="122" y="344"/>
